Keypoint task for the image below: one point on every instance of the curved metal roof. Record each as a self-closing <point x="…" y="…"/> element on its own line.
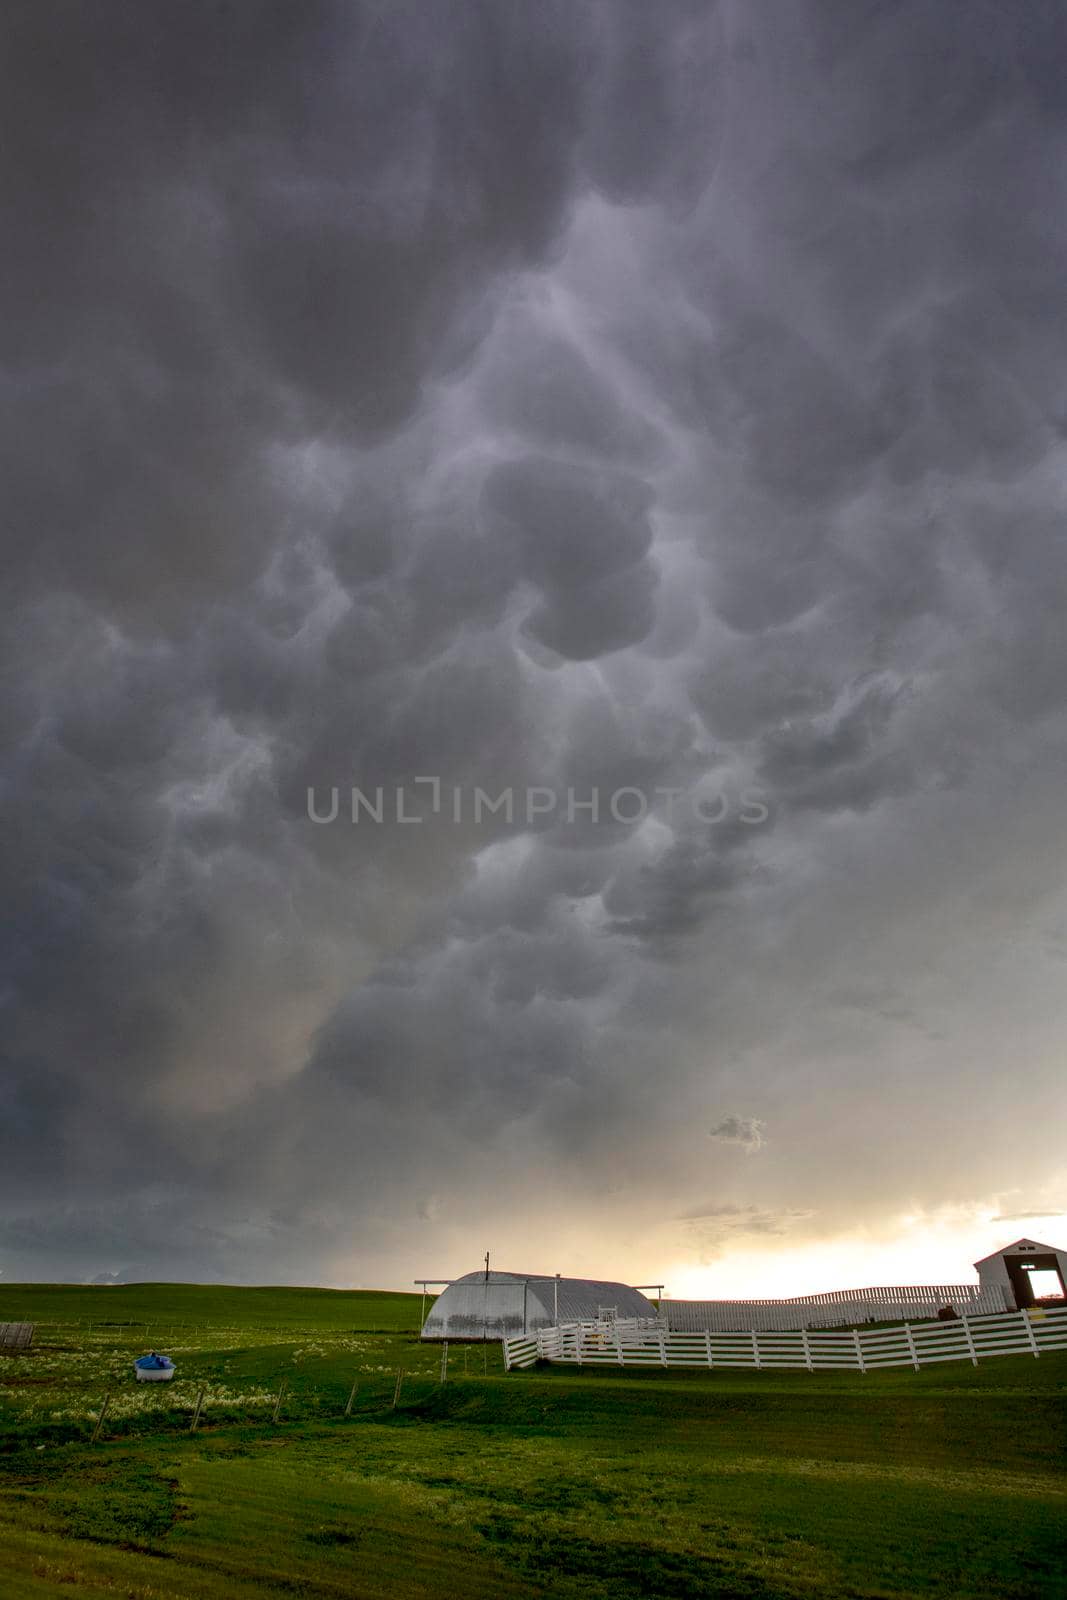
<point x="501" y="1305"/>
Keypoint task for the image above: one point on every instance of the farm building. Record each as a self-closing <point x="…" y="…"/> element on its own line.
<point x="498" y="1305"/>
<point x="1026" y="1273"/>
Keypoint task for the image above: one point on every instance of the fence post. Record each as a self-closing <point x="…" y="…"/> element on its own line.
<point x="806" y="1347"/>
<point x="196" y="1413"/>
<point x="278" y="1402"/>
<point x="859" y="1349"/>
<point x="663" y="1346"/>
<point x="351" y="1397"/>
<point x="444" y="1360"/>
<point x="755" y="1349"/>
<point x="707" y="1345"/>
<point x="970" y="1340"/>
<point x="1028" y="1325"/>
<point x="911" y="1346"/>
<point x="100" y="1418"/>
<point x="396" y="1391"/>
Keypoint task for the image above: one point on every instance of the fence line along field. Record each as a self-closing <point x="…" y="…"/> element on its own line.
<point x="637" y="1343"/>
<point x="330" y="1459"/>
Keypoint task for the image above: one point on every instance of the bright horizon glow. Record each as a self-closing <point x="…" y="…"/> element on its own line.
<point x="920" y="1250"/>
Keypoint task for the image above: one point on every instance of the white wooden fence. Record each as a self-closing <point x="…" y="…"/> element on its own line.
<point x="650" y="1344"/>
<point x="838" y="1306"/>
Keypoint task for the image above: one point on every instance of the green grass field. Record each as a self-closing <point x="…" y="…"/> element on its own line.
<point x="947" y="1482"/>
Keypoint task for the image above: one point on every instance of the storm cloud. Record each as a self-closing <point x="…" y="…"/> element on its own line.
<point x="580" y="397"/>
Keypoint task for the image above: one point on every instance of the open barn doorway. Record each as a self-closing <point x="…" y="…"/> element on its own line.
<point x="1035" y="1279"/>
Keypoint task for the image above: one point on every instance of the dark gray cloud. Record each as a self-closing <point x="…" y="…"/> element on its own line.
<point x="748" y="1132"/>
<point x="581" y="398"/>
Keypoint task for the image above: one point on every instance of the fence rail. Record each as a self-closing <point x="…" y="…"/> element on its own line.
<point x="853" y="1350"/>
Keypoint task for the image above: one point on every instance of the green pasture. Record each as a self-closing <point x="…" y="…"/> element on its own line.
<point x="948" y="1482"/>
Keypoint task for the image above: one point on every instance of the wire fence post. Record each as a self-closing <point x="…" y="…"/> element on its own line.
<point x="396" y="1391"/>
<point x="100" y="1418"/>
<point x="278" y="1402"/>
<point x="351" y="1397"/>
<point x="196" y="1412"/>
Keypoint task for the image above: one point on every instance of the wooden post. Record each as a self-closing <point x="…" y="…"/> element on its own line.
<point x="707" y="1345"/>
<point x="396" y="1391"/>
<point x="910" y="1337"/>
<point x="970" y="1341"/>
<point x="444" y="1361"/>
<point x="807" y="1348"/>
<point x="351" y="1398"/>
<point x="100" y="1418"/>
<point x="859" y="1349"/>
<point x="1028" y="1325"/>
<point x="196" y="1414"/>
<point x="755" y="1348"/>
<point x="466" y="1352"/>
<point x="278" y="1402"/>
<point x="485" y="1359"/>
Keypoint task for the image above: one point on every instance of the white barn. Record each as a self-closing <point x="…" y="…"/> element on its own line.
<point x="1026" y="1272"/>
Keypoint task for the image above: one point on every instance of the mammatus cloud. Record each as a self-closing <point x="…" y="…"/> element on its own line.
<point x="572" y="397"/>
<point x="748" y="1132"/>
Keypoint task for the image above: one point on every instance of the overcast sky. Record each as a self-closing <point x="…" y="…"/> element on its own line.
<point x="661" y="403"/>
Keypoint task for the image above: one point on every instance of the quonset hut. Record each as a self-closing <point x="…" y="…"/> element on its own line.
<point x="506" y="1305"/>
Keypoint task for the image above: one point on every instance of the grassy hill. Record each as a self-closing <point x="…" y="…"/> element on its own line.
<point x="205" y="1304"/>
<point x="948" y="1482"/>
